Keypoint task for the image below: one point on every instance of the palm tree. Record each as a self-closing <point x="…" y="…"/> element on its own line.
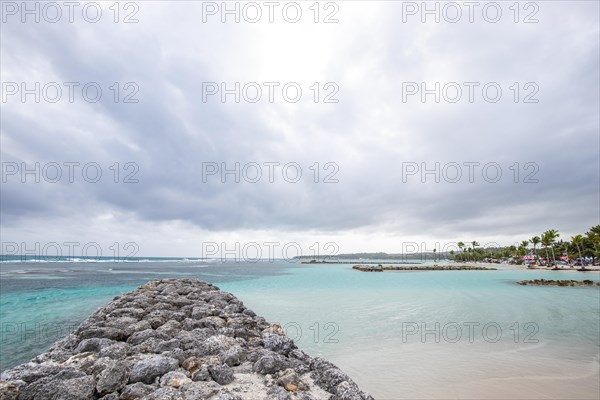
<point x="593" y="236"/>
<point x="474" y="244"/>
<point x="434" y="251"/>
<point x="578" y="241"/>
<point x="523" y="248"/>
<point x="535" y="241"/>
<point x="524" y="244"/>
<point x="546" y="241"/>
<point x="512" y="251"/>
<point x="594" y="230"/>
<point x="461" y="246"/>
<point x="553" y="236"/>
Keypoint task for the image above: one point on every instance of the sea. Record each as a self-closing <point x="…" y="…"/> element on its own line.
<point x="397" y="334"/>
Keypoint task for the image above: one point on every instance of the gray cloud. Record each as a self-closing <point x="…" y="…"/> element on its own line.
<point x="170" y="133"/>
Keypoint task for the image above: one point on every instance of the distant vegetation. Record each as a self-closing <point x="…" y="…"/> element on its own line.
<point x="545" y="249"/>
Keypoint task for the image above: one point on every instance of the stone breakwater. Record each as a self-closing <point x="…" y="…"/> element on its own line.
<point x="381" y="268"/>
<point x="550" y="282"/>
<point x="177" y="339"/>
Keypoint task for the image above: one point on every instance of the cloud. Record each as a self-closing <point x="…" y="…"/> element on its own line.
<point x="170" y="135"/>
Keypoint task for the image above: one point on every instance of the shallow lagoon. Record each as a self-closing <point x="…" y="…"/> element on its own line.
<point x="538" y="342"/>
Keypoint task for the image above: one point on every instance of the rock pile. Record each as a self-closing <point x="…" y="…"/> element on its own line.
<point x="177" y="339"/>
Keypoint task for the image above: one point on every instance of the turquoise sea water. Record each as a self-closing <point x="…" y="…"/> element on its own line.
<point x="399" y="334"/>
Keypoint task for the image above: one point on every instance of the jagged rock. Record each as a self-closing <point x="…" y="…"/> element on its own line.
<point x="290" y="380"/>
<point x="204" y="311"/>
<point x="148" y="369"/>
<point x="82" y="361"/>
<point x="165" y="393"/>
<point x="170" y="328"/>
<point x="136" y="313"/>
<point x="116" y="351"/>
<point x="330" y="378"/>
<point x="10" y="390"/>
<point x="110" y="396"/>
<point x="55" y="388"/>
<point x="136" y="391"/>
<point x="176" y="353"/>
<point x="218" y="344"/>
<point x="347" y="391"/>
<point x="167" y="345"/>
<point x="270" y="363"/>
<point x="191" y="364"/>
<point x="222" y="374"/>
<point x="174" y="379"/>
<point x="30" y="372"/>
<point x="113" y="378"/>
<point x="234" y="356"/>
<point x="93" y="344"/>
<point x="136" y="327"/>
<point x="142" y="336"/>
<point x="249" y="312"/>
<point x="278" y="393"/>
<point x="102" y="332"/>
<point x="225" y="395"/>
<point x="202" y="374"/>
<point x="278" y="343"/>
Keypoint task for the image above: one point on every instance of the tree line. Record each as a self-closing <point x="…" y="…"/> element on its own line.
<point x="547" y="248"/>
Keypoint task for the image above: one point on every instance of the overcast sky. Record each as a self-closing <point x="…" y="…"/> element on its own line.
<point x="362" y="143"/>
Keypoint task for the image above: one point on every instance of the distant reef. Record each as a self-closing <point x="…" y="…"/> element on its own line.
<point x="177" y="339"/>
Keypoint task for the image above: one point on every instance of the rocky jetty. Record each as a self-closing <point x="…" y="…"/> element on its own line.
<point x="369" y="268"/>
<point x="177" y="339"/>
<point x="381" y="268"/>
<point x="550" y="282"/>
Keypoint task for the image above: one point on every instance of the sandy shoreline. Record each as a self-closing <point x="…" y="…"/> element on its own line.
<point x="499" y="267"/>
<point x="524" y="267"/>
